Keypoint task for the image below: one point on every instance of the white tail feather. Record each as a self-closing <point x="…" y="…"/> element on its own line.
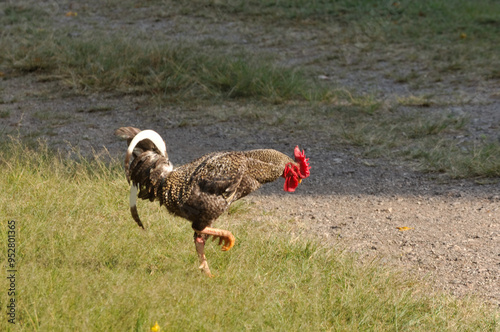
<point x="153" y="136"/>
<point x="133" y="195"/>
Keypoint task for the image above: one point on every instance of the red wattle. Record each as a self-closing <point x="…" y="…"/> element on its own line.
<point x="291" y="177"/>
<point x="291" y="183"/>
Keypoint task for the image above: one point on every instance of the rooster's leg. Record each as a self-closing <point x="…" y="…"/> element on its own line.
<point x="199" y="242"/>
<point x="223" y="235"/>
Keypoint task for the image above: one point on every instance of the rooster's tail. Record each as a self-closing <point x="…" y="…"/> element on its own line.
<point x="149" y="166"/>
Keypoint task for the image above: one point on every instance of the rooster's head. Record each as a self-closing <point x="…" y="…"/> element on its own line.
<point x="295" y="172"/>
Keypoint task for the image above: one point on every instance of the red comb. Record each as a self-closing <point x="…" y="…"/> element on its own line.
<point x="300" y="157"/>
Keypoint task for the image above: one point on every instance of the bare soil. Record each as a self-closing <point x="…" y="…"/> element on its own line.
<point x="453" y="235"/>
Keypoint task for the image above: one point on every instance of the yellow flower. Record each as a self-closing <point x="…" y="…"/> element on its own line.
<point x="155" y="328"/>
<point x="463" y="35"/>
<point x="68" y="14"/>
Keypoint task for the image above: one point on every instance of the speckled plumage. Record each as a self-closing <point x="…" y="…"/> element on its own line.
<point x="202" y="190"/>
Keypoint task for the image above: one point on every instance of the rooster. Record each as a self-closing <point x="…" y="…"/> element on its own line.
<point x="202" y="190"/>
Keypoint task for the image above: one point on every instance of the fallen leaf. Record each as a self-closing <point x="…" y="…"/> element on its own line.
<point x="69" y="14"/>
<point x="404" y="228"/>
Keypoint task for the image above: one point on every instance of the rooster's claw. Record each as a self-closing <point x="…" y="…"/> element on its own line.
<point x="228" y="241"/>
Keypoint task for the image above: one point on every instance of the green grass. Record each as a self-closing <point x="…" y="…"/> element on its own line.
<point x="475" y="160"/>
<point x="425" y="137"/>
<point x="167" y="72"/>
<point x="83" y="265"/>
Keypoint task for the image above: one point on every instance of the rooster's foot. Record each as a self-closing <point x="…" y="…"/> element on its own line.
<point x="200" y="237"/>
<point x="226" y="239"/>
